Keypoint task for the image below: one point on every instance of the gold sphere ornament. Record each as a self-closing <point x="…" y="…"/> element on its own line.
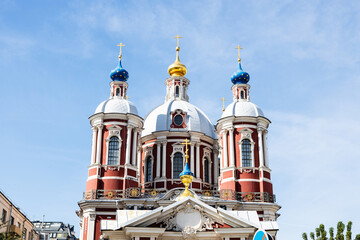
<point x="177" y="68"/>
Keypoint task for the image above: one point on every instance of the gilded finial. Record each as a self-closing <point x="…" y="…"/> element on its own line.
<point x="186" y="143"/>
<point x="177" y="41"/>
<point x="238" y="48"/>
<point x="223" y="100"/>
<point x="177" y="68"/>
<point x="186" y="176"/>
<point x="120" y="45"/>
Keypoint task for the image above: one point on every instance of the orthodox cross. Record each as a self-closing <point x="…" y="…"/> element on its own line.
<point x="127" y="97"/>
<point x="186" y="143"/>
<point x="177" y="39"/>
<point x="120" y="45"/>
<point x="223" y="100"/>
<point x="238" y="48"/>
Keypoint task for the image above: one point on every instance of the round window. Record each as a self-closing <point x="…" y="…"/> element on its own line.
<point x="178" y="120"/>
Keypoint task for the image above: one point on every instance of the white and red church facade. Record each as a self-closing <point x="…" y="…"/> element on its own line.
<point x="133" y="185"/>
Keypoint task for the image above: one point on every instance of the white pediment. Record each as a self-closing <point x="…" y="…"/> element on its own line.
<point x="190" y="215"/>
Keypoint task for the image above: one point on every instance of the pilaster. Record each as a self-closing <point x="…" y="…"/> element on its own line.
<point x="128" y="146"/>
<point x="99" y="144"/>
<point x="93" y="145"/>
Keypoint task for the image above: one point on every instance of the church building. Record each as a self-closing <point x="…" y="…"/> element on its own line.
<point x="173" y="174"/>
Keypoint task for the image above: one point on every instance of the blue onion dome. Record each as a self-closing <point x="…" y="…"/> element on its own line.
<point x="119" y="73"/>
<point x="240" y="77"/>
<point x="186" y="171"/>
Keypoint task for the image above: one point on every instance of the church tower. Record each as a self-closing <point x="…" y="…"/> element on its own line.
<point x="242" y="131"/>
<point x="114" y="157"/>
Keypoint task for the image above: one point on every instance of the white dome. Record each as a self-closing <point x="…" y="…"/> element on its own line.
<point x="116" y="105"/>
<point x="160" y="119"/>
<point x="242" y="109"/>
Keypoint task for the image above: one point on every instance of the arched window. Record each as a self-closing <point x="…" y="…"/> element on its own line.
<point x="206" y="170"/>
<point x="177" y="164"/>
<point x="148" y="175"/>
<point x="118" y="92"/>
<point x="242" y="95"/>
<point x="114" y="151"/>
<point x="177" y="91"/>
<point x="246" y="153"/>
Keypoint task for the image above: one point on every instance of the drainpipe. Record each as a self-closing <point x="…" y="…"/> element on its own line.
<point x="23" y="228"/>
<point x="8" y="227"/>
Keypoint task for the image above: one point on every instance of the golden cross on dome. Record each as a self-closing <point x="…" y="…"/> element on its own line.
<point x="223" y="100"/>
<point x="127" y="97"/>
<point x="238" y="48"/>
<point x="186" y="143"/>
<point x="120" y="45"/>
<point x="177" y="39"/>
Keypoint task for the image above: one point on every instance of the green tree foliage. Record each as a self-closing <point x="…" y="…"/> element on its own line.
<point x="348" y="230"/>
<point x="331" y="233"/>
<point x="340" y="231"/>
<point x="304" y="236"/>
<point x="321" y="233"/>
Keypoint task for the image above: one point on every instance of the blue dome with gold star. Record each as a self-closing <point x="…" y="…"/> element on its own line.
<point x="186" y="171"/>
<point x="240" y="77"/>
<point x="119" y="73"/>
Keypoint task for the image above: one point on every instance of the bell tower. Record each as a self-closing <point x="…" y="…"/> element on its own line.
<point x="242" y="131"/>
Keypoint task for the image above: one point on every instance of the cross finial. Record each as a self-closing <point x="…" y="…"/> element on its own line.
<point x="238" y="48"/>
<point x="186" y="143"/>
<point x="127" y="97"/>
<point x="177" y="39"/>
<point x="223" y="100"/>
<point x="120" y="45"/>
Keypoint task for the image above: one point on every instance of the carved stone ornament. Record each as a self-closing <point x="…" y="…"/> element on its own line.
<point x="189" y="233"/>
<point x="189" y="219"/>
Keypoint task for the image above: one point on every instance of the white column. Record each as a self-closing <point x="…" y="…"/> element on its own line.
<point x="198" y="160"/>
<point x="134" y="145"/>
<point x="225" y="149"/>
<point x="99" y="143"/>
<point x="93" y="146"/>
<point x="158" y="159"/>
<point x="128" y="142"/>
<point x="261" y="152"/>
<point x="231" y="142"/>
<point x="210" y="170"/>
<point x="91" y="227"/>
<point x="138" y="161"/>
<point x="265" y="148"/>
<point x="192" y="156"/>
<point x="216" y="166"/>
<point x="164" y="159"/>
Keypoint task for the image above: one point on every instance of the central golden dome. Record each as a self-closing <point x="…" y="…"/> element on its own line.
<point x="177" y="68"/>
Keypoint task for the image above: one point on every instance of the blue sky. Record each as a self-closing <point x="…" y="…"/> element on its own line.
<point x="302" y="56"/>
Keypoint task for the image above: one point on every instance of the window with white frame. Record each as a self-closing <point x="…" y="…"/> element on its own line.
<point x="114" y="151"/>
<point x="246" y="153"/>
<point x="177" y="90"/>
<point x="177" y="164"/>
<point x="149" y="165"/>
<point x="206" y="170"/>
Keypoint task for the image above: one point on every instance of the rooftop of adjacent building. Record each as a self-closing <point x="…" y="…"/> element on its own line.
<point x="54" y="227"/>
<point x="12" y="204"/>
